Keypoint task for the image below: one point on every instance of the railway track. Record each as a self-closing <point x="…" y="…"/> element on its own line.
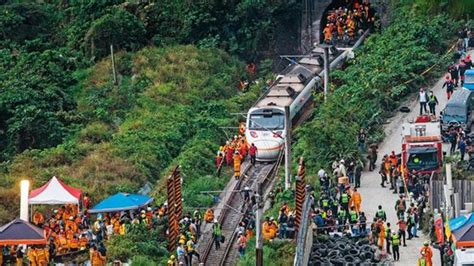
<point x="233" y="215"/>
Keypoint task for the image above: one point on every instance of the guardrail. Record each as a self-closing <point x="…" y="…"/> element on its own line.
<point x="304" y="239"/>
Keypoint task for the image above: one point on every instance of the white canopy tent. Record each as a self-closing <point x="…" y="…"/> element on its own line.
<point x="55" y="192"/>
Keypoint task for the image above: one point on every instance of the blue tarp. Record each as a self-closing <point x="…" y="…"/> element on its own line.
<point x="121" y="202"/>
<point x="461" y="221"/>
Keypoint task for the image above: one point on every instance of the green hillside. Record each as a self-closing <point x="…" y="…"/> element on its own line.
<point x="178" y="66"/>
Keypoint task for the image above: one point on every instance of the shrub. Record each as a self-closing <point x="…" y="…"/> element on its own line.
<point x="118" y="28"/>
<point x="139" y="243"/>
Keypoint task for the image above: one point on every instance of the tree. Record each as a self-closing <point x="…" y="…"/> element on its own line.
<point x="34" y="99"/>
<point x="119" y="28"/>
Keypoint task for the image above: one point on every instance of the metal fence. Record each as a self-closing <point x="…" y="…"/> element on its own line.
<point x="304" y="238"/>
<point x="465" y="189"/>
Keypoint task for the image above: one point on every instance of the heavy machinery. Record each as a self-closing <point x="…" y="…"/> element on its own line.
<point x="422" y="145"/>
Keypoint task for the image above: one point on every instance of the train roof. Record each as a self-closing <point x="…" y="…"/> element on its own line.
<point x="294" y="79"/>
<point x="287" y="87"/>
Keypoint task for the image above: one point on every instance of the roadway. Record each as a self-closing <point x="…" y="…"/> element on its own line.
<point x="373" y="194"/>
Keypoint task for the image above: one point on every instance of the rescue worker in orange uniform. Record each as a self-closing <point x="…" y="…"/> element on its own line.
<point x="426" y="254"/>
<point x="387" y="167"/>
<point x="74" y="244"/>
<point x="242" y="128"/>
<point x="393" y="159"/>
<point x="32" y="257"/>
<point x="218" y="159"/>
<point x="243" y="148"/>
<point x="66" y="214"/>
<point x="96" y="258"/>
<point x="270" y="229"/>
<point x="327" y="34"/>
<point x="86" y="201"/>
<point x="83" y="242"/>
<point x="209" y="215"/>
<point x="61" y="242"/>
<point x="116" y="225"/>
<point x="356" y="200"/>
<point x="381" y="233"/>
<point x="42" y="256"/>
<point x="71" y="224"/>
<point x="38" y="219"/>
<point x="58" y="214"/>
<point x="237" y="160"/>
<point x="229" y="151"/>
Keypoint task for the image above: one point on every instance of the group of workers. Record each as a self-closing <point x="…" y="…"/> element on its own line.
<point x="69" y="230"/>
<point x="37" y="255"/>
<point x="283" y="228"/>
<point x="456" y="74"/>
<point x="190" y="228"/>
<point x="234" y="152"/>
<point x="339" y="209"/>
<point x="345" y="22"/>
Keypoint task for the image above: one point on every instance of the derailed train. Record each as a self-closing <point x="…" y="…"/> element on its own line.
<point x="265" y="125"/>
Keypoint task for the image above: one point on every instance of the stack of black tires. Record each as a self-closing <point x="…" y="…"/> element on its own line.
<point x="341" y="250"/>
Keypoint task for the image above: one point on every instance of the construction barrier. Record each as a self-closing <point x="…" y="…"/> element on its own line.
<point x="300" y="193"/>
<point x="175" y="208"/>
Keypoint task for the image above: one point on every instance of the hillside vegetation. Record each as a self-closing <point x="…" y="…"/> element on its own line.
<point x="178" y="65"/>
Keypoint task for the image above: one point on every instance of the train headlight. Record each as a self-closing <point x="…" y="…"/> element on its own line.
<point x="253" y="134"/>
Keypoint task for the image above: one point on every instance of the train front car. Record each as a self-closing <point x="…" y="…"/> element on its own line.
<point x="266" y="129"/>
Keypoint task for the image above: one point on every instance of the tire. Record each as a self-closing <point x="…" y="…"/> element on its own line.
<point x="323" y="251"/>
<point x="353" y="252"/>
<point x="349" y="258"/>
<point x="341" y="247"/>
<point x="366" y="248"/>
<point x="333" y="253"/>
<point x="362" y="242"/>
<point x="337" y="262"/>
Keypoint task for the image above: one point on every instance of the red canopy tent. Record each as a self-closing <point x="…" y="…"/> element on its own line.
<point x="19" y="232"/>
<point x="55" y="192"/>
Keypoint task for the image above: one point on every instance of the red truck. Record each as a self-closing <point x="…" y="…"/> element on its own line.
<point x="422" y="145"/>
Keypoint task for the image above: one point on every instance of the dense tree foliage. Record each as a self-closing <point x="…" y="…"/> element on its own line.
<point x="53" y="43"/>
<point x="166" y="111"/>
<point x="457" y="8"/>
<point x="61" y="115"/>
<point x="35" y="99"/>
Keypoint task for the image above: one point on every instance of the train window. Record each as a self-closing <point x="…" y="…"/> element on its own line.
<point x="267" y="121"/>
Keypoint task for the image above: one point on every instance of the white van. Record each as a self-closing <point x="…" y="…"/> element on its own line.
<point x="464" y="257"/>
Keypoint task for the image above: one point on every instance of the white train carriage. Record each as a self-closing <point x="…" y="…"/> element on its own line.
<point x="266" y="120"/>
<point x="265" y="125"/>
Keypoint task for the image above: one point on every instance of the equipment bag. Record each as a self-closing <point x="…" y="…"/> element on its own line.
<point x="222" y="239"/>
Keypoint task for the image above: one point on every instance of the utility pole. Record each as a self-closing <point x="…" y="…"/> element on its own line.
<point x="258" y="226"/>
<point x="287" y="147"/>
<point x="448" y="190"/>
<point x="326" y="70"/>
<point x="114" y="72"/>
